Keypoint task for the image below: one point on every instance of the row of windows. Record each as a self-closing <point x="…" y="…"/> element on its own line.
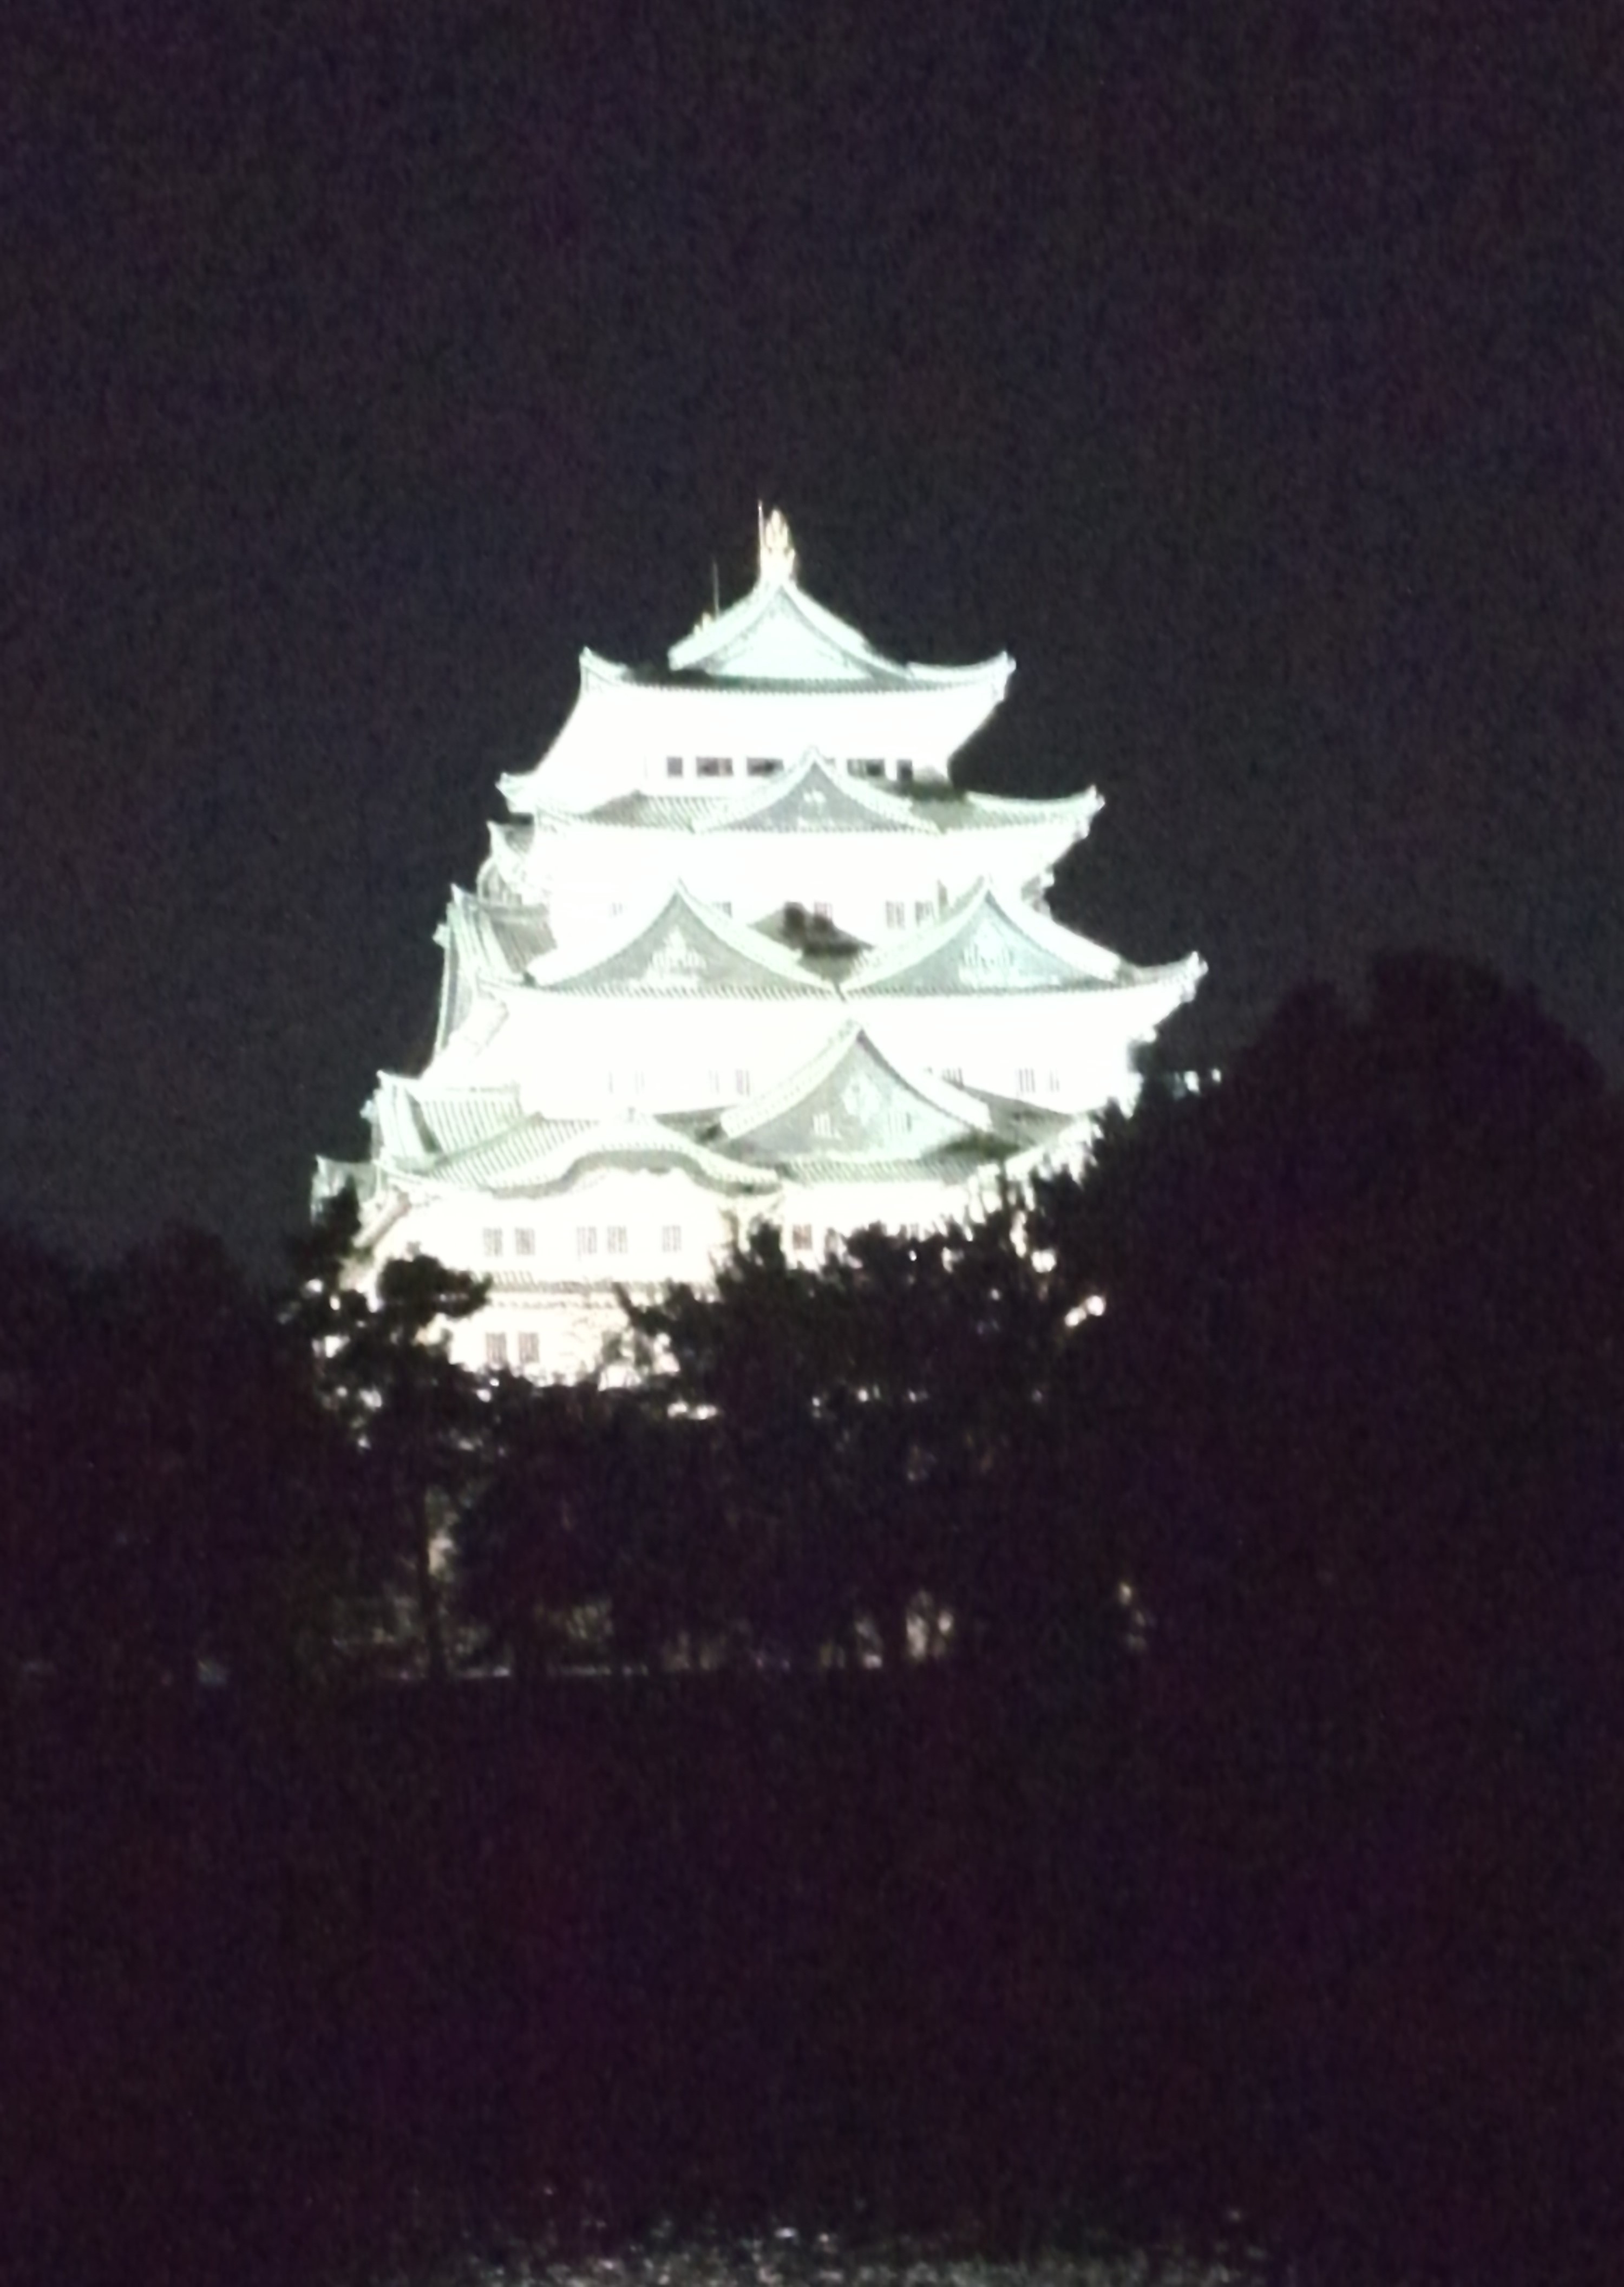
<point x="768" y="766"/>
<point x="802" y="1235"/>
<point x="635" y="1084"/>
<point x="1025" y="1079"/>
<point x="721" y="766"/>
<point x="615" y="1238"/>
<point x="590" y="1239"/>
<point x="523" y="1349"/>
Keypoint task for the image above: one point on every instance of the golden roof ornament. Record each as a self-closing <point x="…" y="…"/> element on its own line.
<point x="776" y="550"/>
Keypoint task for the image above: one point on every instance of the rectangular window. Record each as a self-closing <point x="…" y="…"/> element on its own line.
<point x="823" y="910"/>
<point x="725" y="906"/>
<point x="714" y="766"/>
<point x="674" y="766"/>
<point x="955" y="1073"/>
<point x="1054" y="1083"/>
<point x="832" y="1242"/>
<point x="713" y="1081"/>
<point x="822" y="1125"/>
<point x="492" y="1243"/>
<point x="523" y="1242"/>
<point x="800" y="1238"/>
<point x="586" y="1239"/>
<point x="530" y="1348"/>
<point x="866" y="768"/>
<point x="614" y="1239"/>
<point x="923" y="910"/>
<point x="671" y="1238"/>
<point x="496" y="1352"/>
<point x="741" y="1082"/>
<point x="639" y="1083"/>
<point x="1026" y="1080"/>
<point x="763" y="766"/>
<point x="897" y="914"/>
<point x="904" y="774"/>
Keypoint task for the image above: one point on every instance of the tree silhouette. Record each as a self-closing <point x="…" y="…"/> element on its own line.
<point x="887" y="1431"/>
<point x="418" y="1420"/>
<point x="1357" y="1403"/>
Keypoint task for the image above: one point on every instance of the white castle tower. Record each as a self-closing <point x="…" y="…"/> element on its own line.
<point x="745" y="953"/>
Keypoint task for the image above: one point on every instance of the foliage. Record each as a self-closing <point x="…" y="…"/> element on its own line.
<point x="887" y="1434"/>
<point x="413" y="1417"/>
<point x="172" y="1476"/>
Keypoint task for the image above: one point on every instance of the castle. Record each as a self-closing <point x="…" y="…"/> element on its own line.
<point x="743" y="952"/>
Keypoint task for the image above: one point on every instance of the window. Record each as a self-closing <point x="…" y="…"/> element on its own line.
<point x="822" y="1125"/>
<point x="923" y="910"/>
<point x="1054" y="1083"/>
<point x="671" y="1238"/>
<point x="866" y="768"/>
<point x="639" y="1083"/>
<point x="496" y="1352"/>
<point x="524" y="1242"/>
<point x="904" y="774"/>
<point x="897" y="914"/>
<point x="1026" y="1080"/>
<point x="955" y="1073"/>
<point x="492" y="1242"/>
<point x="832" y="1242"/>
<point x="823" y="910"/>
<point x="714" y="766"/>
<point x="763" y="766"/>
<point x="800" y="1238"/>
<point x="713" y="1081"/>
<point x="741" y="1082"/>
<point x="530" y="1348"/>
<point x="586" y="1239"/>
<point x="674" y="766"/>
<point x="725" y="906"/>
<point x="614" y="1239"/>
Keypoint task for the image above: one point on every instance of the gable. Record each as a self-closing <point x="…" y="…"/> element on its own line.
<point x="776" y="633"/>
<point x="683" y="953"/>
<point x="987" y="947"/>
<point x="813" y="799"/>
<point x="853" y="1104"/>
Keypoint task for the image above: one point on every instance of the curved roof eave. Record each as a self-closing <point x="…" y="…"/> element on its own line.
<point x="546" y="1156"/>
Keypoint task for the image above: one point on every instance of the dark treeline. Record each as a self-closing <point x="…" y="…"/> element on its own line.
<point x="1115" y="1710"/>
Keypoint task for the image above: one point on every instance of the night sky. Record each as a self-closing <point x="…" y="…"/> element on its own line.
<point x="1253" y="373"/>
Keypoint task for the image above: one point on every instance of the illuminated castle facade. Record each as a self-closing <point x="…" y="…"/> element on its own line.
<point x="742" y="953"/>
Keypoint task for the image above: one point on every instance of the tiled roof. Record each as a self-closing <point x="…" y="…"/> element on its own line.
<point x="541" y="1154"/>
<point x="951" y="1166"/>
<point x="419" y="1120"/>
<point x="779" y="636"/>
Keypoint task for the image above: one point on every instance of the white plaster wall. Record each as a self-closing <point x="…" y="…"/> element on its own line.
<point x="618" y="736"/>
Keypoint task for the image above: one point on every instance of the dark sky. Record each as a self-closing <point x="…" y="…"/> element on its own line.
<point x="1252" y="372"/>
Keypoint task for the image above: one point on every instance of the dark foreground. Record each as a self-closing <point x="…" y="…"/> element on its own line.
<point x="893" y="1958"/>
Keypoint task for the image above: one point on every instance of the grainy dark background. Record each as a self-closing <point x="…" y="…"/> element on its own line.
<point x="1250" y="373"/>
